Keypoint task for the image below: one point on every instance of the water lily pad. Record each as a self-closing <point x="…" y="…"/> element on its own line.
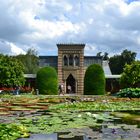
<point x="3" y="109"/>
<point x="127" y="116"/>
<point x="76" y="133"/>
<point x="43" y="103"/>
<point x="67" y="136"/>
<point x="18" y="103"/>
<point x="16" y="108"/>
<point x="23" y="104"/>
<point x="36" y="107"/>
<point x="4" y="113"/>
<point x="64" y="131"/>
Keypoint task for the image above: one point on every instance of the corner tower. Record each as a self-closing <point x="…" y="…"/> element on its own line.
<point x="71" y="67"/>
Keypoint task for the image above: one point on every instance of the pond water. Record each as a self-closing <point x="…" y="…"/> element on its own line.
<point x="120" y="126"/>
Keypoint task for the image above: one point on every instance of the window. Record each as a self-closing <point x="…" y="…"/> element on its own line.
<point x="70" y="60"/>
<point x="65" y="61"/>
<point x="76" y="59"/>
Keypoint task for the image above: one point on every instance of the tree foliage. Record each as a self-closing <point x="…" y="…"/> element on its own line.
<point x="11" y="71"/>
<point x="30" y="61"/>
<point x="117" y="62"/>
<point x="99" y="54"/>
<point x="131" y="75"/>
<point x="104" y="56"/>
<point x="47" y="81"/>
<point x="94" y="80"/>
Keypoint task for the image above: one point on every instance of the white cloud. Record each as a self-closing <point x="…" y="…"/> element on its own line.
<point x="10" y="48"/>
<point x="108" y="26"/>
<point x="15" y="50"/>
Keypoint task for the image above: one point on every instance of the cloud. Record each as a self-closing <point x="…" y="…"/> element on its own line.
<point x="10" y="48"/>
<point x="107" y="26"/>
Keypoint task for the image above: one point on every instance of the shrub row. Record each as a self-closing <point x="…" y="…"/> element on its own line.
<point x="129" y="92"/>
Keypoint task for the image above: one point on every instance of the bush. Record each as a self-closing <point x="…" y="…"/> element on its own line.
<point x="94" y="80"/>
<point x="130" y="77"/>
<point x="47" y="81"/>
<point x="129" y="92"/>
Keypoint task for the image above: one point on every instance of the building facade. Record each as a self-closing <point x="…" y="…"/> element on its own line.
<point x="71" y="65"/>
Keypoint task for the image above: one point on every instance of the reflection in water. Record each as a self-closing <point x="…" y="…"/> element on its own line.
<point x="53" y="136"/>
<point x="42" y="137"/>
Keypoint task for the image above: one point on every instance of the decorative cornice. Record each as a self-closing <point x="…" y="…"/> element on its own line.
<point x="70" y="44"/>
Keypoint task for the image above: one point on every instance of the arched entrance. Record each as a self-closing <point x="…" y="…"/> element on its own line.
<point x="70" y="81"/>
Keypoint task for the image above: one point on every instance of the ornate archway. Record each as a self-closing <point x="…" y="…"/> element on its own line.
<point x="70" y="81"/>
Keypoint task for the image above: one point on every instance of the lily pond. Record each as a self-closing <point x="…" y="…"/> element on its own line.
<point x="69" y="118"/>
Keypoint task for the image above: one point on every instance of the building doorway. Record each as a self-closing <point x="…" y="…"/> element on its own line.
<point x="70" y="84"/>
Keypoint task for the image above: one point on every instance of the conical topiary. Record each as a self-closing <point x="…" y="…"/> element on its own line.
<point x="94" y="80"/>
<point x="47" y="82"/>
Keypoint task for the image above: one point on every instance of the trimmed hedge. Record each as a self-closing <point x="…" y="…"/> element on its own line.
<point x="47" y="81"/>
<point x="94" y="80"/>
<point x="129" y="92"/>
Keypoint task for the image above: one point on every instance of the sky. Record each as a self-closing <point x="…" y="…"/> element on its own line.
<point x="102" y="25"/>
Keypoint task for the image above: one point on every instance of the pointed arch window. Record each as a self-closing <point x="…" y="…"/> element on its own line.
<point x="76" y="59"/>
<point x="65" y="61"/>
<point x="70" y="60"/>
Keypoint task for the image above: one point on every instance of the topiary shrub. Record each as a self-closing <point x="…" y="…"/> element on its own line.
<point x="94" y="80"/>
<point x="129" y="92"/>
<point x="47" y="82"/>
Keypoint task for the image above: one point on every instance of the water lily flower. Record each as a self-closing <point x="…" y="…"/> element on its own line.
<point x="88" y="113"/>
<point x="95" y="115"/>
<point x="104" y="101"/>
<point x="79" y="115"/>
<point x="114" y="131"/>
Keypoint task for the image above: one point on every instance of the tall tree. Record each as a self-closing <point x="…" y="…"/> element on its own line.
<point x="99" y="54"/>
<point x="105" y="56"/>
<point x="117" y="62"/>
<point x="30" y="61"/>
<point x="11" y="71"/>
<point x="131" y="75"/>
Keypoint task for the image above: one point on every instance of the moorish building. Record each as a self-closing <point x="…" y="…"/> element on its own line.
<point x="71" y="65"/>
